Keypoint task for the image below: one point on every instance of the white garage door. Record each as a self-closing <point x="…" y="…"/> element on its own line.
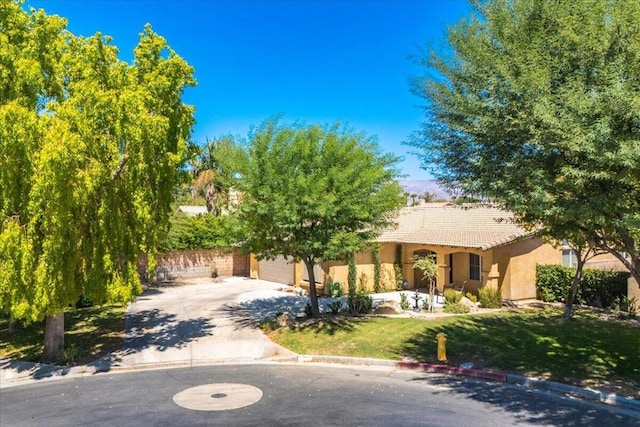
<point x="277" y="270"/>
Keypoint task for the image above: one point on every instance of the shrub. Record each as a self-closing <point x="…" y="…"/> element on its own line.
<point x="352" y="275"/>
<point x="84" y="302"/>
<point x="451" y="296"/>
<point x="598" y="287"/>
<point x="625" y="308"/>
<point x="363" y="282"/>
<point x="553" y="282"/>
<point x="397" y="267"/>
<point x="359" y="304"/>
<point x="198" y="232"/>
<point x="490" y="297"/>
<point x="69" y="355"/>
<point x="335" y="306"/>
<point x="399" y="279"/>
<point x="601" y="288"/>
<point x="377" y="280"/>
<point x="456" y="308"/>
<point x="471" y="297"/>
<point x="404" y="301"/>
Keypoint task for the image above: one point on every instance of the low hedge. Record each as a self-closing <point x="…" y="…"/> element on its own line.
<point x="599" y="288"/>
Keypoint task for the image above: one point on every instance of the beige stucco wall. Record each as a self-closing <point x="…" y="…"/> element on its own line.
<point x="517" y="266"/>
<point x="338" y="271"/>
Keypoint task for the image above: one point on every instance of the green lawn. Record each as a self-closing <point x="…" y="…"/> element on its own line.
<point x="89" y="334"/>
<point x="587" y="351"/>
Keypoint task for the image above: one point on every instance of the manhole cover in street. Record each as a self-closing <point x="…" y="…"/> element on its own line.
<point x="218" y="397"/>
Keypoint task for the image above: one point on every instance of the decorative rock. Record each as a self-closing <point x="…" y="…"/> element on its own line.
<point x="284" y="320"/>
<point x="467" y="302"/>
<point x="388" y="307"/>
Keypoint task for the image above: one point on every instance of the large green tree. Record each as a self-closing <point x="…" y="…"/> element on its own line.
<point x="536" y="104"/>
<point x="90" y="150"/>
<point x="313" y="193"/>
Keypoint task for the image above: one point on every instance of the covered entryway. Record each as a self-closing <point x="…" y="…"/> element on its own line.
<point x="278" y="270"/>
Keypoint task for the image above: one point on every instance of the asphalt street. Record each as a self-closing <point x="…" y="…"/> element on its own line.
<point x="291" y="395"/>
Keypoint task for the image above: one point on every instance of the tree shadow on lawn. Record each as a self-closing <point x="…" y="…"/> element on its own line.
<point x="253" y="313"/>
<point x="330" y="324"/>
<point x="525" y="405"/>
<point x="583" y="351"/>
<point x="146" y="329"/>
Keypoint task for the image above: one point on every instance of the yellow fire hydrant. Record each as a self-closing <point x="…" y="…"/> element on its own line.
<point x="442" y="346"/>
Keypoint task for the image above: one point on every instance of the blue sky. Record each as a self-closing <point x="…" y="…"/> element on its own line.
<point x="314" y="61"/>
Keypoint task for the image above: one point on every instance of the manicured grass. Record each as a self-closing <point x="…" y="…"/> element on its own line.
<point x="587" y="350"/>
<point x="89" y="334"/>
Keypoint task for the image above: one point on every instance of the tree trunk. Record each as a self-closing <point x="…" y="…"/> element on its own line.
<point x="315" y="310"/>
<point x="11" y="327"/>
<point x="210" y="198"/>
<point x="432" y="295"/>
<point x="53" y="337"/>
<point x="574" y="288"/>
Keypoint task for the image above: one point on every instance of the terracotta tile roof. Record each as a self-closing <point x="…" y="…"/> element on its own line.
<point x="445" y="224"/>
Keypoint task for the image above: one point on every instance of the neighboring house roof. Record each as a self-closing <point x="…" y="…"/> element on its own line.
<point x="192" y="210"/>
<point x="446" y="224"/>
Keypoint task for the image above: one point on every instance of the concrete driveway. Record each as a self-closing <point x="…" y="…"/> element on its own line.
<point x="196" y="322"/>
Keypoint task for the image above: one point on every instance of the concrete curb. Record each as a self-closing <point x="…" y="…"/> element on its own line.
<point x="454" y="370"/>
<point x="500" y="377"/>
<point x="584" y="393"/>
<point x="343" y="360"/>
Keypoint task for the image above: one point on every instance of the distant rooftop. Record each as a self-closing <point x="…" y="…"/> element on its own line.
<point x="192" y="210"/>
<point x="476" y="226"/>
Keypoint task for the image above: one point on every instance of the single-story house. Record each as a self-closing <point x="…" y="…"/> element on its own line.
<point x="474" y="246"/>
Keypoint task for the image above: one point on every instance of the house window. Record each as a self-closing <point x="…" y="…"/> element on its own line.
<point x="475" y="267"/>
<point x="569" y="258"/>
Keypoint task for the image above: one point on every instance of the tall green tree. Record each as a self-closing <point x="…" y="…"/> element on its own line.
<point x="90" y="151"/>
<point x="314" y="193"/>
<point x="536" y="104"/>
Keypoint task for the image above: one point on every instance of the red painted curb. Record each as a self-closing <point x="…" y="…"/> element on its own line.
<point x="454" y="370"/>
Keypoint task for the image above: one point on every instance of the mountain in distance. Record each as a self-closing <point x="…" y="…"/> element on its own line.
<point x="420" y="186"/>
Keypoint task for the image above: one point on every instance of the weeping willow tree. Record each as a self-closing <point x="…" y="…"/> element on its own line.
<point x="91" y="148"/>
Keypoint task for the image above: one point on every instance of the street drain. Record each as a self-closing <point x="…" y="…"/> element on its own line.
<point x="218" y="397"/>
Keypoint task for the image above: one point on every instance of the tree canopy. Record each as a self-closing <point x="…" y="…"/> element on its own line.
<point x="313" y="193"/>
<point x="536" y="104"/>
<point x="90" y="150"/>
<point x="211" y="180"/>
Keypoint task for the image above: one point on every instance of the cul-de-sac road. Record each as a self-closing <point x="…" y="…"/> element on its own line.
<point x="290" y="395"/>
